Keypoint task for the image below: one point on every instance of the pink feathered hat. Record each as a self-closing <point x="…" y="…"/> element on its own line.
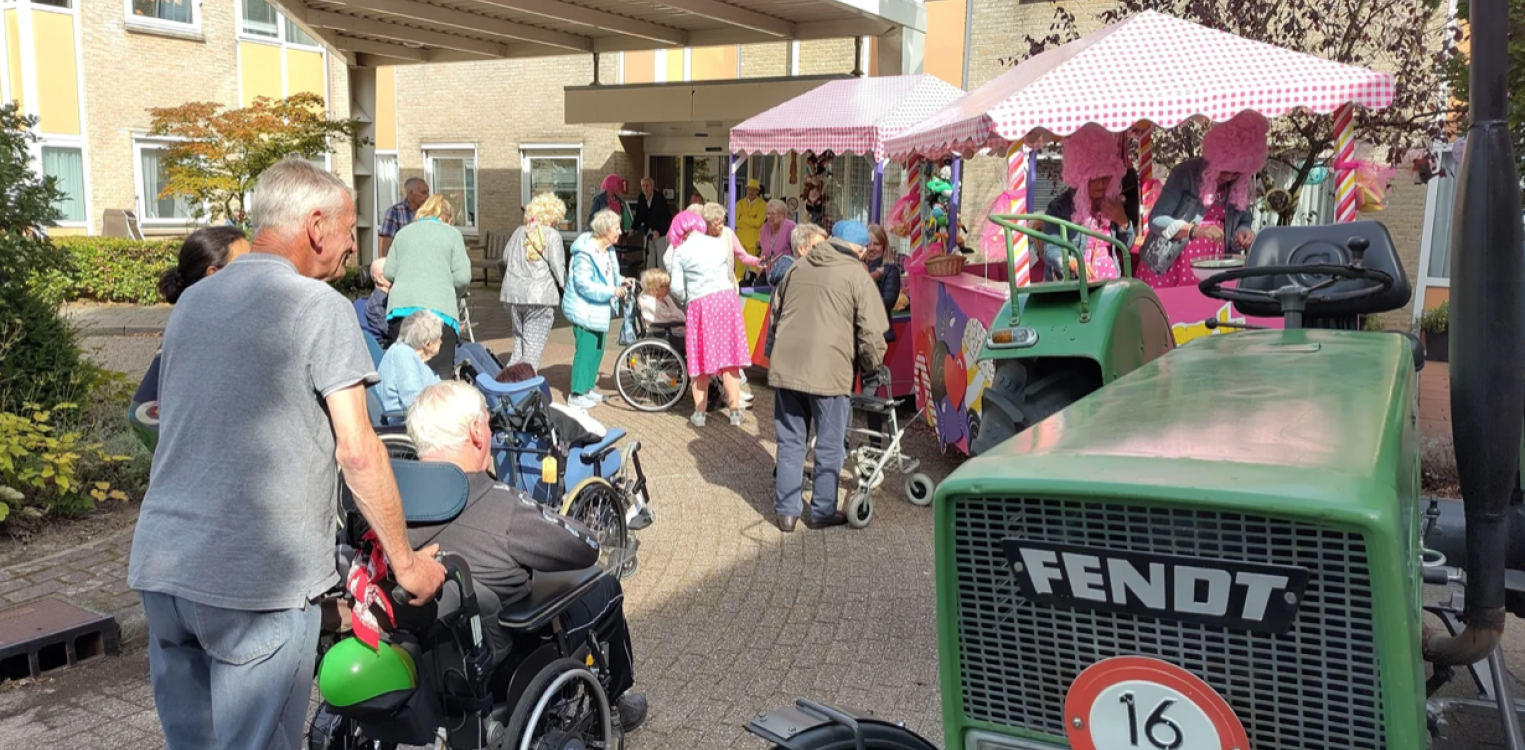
<point x="683" y="225"/>
<point x="611" y="183"/>
<point x="1090" y="153"/>
<point x="1240" y="146"/>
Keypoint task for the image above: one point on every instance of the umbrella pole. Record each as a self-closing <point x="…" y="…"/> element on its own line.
<point x="1344" y="161"/>
<point x="876" y="201"/>
<point x="958" y="173"/>
<point x="1147" y="191"/>
<point x="730" y="205"/>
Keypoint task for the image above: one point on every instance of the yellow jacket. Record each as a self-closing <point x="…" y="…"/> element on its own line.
<point x="750" y="215"/>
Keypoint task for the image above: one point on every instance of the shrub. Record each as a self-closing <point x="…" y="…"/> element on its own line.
<point x="40" y="359"/>
<point x="108" y="269"/>
<point x="1436" y="319"/>
<point x="41" y="465"/>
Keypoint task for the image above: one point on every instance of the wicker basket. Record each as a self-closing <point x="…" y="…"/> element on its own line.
<point x="945" y="265"/>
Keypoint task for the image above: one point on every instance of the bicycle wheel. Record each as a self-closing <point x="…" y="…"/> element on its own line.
<point x="599" y="506"/>
<point x="651" y="375"/>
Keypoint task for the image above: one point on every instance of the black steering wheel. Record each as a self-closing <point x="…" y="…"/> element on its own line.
<point x="1293" y="298"/>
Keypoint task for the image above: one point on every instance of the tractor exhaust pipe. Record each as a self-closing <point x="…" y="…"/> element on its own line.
<point x="1487" y="314"/>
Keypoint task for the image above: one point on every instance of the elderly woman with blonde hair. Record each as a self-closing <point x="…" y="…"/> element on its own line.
<point x="534" y="275"/>
<point x="593" y="291"/>
<point x="428" y="268"/>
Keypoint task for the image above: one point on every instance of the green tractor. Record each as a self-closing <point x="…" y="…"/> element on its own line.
<point x="1053" y="343"/>
<point x="1227" y="547"/>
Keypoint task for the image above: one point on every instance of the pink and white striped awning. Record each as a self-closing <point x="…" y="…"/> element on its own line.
<point x="1150" y="67"/>
<point x="856" y="115"/>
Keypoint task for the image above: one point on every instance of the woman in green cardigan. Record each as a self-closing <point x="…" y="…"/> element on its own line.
<point x="428" y="268"/>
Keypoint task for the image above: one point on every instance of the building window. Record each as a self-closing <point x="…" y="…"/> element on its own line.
<point x="151" y="182"/>
<point x="452" y="172"/>
<point x="557" y="170"/>
<point x="66" y="165"/>
<point x="1441" y="202"/>
<point x="262" y="21"/>
<point x="160" y="12"/>
<point x="387" y="183"/>
<point x="54" y="3"/>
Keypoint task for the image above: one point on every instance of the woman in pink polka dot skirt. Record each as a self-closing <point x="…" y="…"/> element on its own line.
<point x="715" y="332"/>
<point x="1205" y="203"/>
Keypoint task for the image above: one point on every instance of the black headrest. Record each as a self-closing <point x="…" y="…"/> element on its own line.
<point x="432" y="492"/>
<point x="1329" y="244"/>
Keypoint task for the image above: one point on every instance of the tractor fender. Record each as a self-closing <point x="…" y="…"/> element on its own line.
<point x="808" y="725"/>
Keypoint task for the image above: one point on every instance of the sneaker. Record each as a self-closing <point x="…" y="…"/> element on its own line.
<point x="736" y="417"/>
<point x="640" y="520"/>
<point x="596" y="396"/>
<point x="697" y="419"/>
<point x="630" y="709"/>
<point x="747" y="396"/>
<point x="581" y="402"/>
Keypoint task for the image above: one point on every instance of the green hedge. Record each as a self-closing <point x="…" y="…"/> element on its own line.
<point x="108" y="269"/>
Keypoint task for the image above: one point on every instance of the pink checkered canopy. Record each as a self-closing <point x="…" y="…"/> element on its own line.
<point x="856" y="115"/>
<point x="1150" y="67"/>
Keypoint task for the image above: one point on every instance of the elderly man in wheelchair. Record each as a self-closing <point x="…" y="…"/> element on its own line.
<point x="526" y="646"/>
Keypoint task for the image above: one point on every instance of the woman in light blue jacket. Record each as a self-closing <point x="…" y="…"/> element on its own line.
<point x="594" y="288"/>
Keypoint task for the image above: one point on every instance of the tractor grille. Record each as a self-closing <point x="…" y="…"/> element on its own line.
<point x="1315" y="686"/>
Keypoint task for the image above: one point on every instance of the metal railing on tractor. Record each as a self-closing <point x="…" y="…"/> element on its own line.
<point x="1070" y="252"/>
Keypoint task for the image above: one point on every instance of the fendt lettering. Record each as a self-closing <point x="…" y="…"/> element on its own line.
<point x="1236" y="595"/>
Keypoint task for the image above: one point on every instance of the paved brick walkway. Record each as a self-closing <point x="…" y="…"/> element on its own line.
<point x="730" y="616"/>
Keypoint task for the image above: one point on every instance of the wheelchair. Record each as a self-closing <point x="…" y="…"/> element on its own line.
<point x="436" y="678"/>
<point x="652" y="374"/>
<point x="594" y="481"/>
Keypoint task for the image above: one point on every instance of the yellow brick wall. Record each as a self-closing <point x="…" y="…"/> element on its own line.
<point x="765" y="60"/>
<point x="826" y="56"/>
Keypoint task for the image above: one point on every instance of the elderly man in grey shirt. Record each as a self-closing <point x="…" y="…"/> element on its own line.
<point x="262" y="388"/>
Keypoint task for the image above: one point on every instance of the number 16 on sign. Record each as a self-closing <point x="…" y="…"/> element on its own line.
<point x="1134" y="702"/>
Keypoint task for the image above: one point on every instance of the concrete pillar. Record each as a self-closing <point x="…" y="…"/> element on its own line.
<point x="902" y="52"/>
<point x="362" y="107"/>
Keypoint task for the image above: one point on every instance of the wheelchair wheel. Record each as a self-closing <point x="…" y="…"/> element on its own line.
<point x="399" y="445"/>
<point x="599" y="506"/>
<point x="651" y="375"/>
<point x="562" y="708"/>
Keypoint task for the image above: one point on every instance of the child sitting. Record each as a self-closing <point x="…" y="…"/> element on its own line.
<point x="657" y="307"/>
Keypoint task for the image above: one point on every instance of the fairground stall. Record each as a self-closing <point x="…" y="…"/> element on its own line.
<point x="855" y="116"/>
<point x="1148" y="71"/>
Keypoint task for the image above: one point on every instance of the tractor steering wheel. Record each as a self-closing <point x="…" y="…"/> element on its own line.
<point x="1294" y="297"/>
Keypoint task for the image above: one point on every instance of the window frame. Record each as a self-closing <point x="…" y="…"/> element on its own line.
<point x="282" y="25"/>
<point x="139" y="145"/>
<point x="154" y="23"/>
<point x="529" y="153"/>
<point x="428" y="149"/>
<point x="76" y="143"/>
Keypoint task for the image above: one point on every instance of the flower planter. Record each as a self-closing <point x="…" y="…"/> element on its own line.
<point x="1437" y="346"/>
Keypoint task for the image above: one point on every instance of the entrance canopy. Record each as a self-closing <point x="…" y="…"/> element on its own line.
<point x="856" y="115"/>
<point x="391" y="32"/>
<point x="1150" y="67"/>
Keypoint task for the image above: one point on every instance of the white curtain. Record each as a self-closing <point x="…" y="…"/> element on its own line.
<point x="386" y="182"/>
<point x="154" y="207"/>
<point x="67" y="166"/>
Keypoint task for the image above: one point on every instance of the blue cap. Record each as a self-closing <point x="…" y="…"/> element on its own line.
<point x="851" y="231"/>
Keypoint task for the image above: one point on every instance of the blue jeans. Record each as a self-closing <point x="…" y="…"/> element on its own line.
<point x="793" y="414"/>
<point x="230" y="679"/>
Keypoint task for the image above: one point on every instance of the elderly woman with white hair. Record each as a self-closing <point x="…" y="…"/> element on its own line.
<point x="404" y="369"/>
<point x="593" y="291"/>
<point x="534" y="273"/>
<point x="774" y="240"/>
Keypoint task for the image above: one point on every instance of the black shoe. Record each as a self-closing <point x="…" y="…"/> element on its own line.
<point x="836" y="519"/>
<point x="786" y="523"/>
<point x="630" y="709"/>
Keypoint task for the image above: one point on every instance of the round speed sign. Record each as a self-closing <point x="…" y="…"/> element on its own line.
<point x="1135" y="702"/>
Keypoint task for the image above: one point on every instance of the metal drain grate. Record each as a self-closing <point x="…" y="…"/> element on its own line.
<point x="47" y="634"/>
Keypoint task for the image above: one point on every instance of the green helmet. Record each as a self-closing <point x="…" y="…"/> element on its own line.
<point x="352" y="673"/>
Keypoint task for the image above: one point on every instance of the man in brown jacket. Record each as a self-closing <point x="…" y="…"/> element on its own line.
<point x="826" y="316"/>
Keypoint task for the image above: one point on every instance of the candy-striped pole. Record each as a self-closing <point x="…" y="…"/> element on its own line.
<point x="1016" y="179"/>
<point x="1150" y="192"/>
<point x="1344" y="159"/>
<point x="914" y="182"/>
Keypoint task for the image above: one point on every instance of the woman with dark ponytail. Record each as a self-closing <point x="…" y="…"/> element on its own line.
<point x="202" y="254"/>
